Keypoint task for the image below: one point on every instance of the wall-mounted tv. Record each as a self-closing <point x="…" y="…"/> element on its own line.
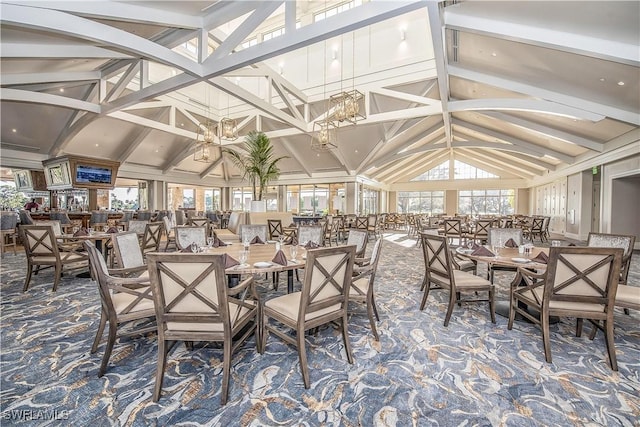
<point x="90" y="174"/>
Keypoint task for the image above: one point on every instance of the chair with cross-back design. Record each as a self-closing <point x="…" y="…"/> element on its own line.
<point x="361" y="223"/>
<point x="169" y="233"/>
<point x="43" y="249"/>
<point x="275" y="228"/>
<point x="579" y="282"/>
<point x="194" y="303"/>
<point x="359" y="239"/>
<point x="362" y="285"/>
<point x="481" y="231"/>
<point x="440" y="274"/>
<point x="322" y="300"/>
<point x="311" y="233"/>
<point x="126" y="304"/>
<point x="128" y="255"/>
<point x="151" y="237"/>
<point x="453" y="230"/>
<point x="536" y="228"/>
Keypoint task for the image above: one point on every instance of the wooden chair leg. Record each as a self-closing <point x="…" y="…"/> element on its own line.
<point x="162" y="360"/>
<point x="372" y="321"/>
<point x="111" y="339"/>
<point x="345" y="338"/>
<point x="452" y="303"/>
<point x="611" y="348"/>
<point x="103" y="322"/>
<point x="302" y="355"/>
<point x="226" y="371"/>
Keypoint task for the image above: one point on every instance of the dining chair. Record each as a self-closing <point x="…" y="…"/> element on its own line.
<point x="25" y="217"/>
<point x="333" y="232"/>
<point x="8" y="232"/>
<point x="535" y="228"/>
<point x="123" y="222"/>
<point x="359" y="239"/>
<point x="194" y="303"/>
<point x="151" y="237"/>
<point x="128" y="255"/>
<point x="372" y="221"/>
<point x="99" y="220"/>
<point x="362" y="289"/>
<point x="361" y="223"/>
<point x="322" y="300"/>
<point x="579" y="282"/>
<point x="440" y="274"/>
<point x="481" y="231"/>
<point x="198" y="221"/>
<point x="65" y="222"/>
<point x="169" y="233"/>
<point x="126" y="305"/>
<point x="275" y="228"/>
<point x="137" y="226"/>
<point x="143" y="215"/>
<point x="250" y="231"/>
<point x="186" y="235"/>
<point x="43" y="249"/>
<point x="311" y="233"/>
<point x="453" y="230"/>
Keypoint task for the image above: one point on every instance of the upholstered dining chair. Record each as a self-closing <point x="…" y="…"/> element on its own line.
<point x="169" y="233"/>
<point x="128" y="255"/>
<point x="198" y="221"/>
<point x="250" y="231"/>
<point x="99" y="220"/>
<point x="453" y="230"/>
<point x="25" y="217"/>
<point x="359" y="239"/>
<point x="579" y="282"/>
<point x="43" y="249"/>
<point x="440" y="274"/>
<point x="65" y="222"/>
<point x="151" y="237"/>
<point x="536" y="228"/>
<point x="123" y="222"/>
<point x="481" y="231"/>
<point x="362" y="290"/>
<point x="322" y="300"/>
<point x="8" y="232"/>
<point x="137" y="226"/>
<point x="186" y="235"/>
<point x="144" y="215"/>
<point x="125" y="305"/>
<point x="311" y="233"/>
<point x="194" y="303"/>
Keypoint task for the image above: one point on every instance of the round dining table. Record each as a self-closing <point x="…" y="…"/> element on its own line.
<point x="260" y="259"/>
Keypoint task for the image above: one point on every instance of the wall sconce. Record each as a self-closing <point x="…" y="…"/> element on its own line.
<point x="403" y="34"/>
<point x="281" y="66"/>
<point x="335" y="54"/>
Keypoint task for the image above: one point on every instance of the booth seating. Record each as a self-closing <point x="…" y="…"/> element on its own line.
<point x="232" y="231"/>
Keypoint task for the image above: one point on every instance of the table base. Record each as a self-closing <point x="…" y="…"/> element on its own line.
<point x="502" y="309"/>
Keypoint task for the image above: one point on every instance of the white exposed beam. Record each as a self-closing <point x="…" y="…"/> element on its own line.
<point x="35" y="78"/>
<point x="547" y="131"/>
<point x="289" y="148"/>
<point x="18" y="95"/>
<point x="495" y="165"/>
<point x="416" y="99"/>
<point x="573" y="106"/>
<point x="496" y="146"/>
<point x="556" y="38"/>
<point x="436" y="26"/>
<point x="516" y="141"/>
<point x="58" y="51"/>
<point x="211" y="167"/>
<point x="70" y="25"/>
<point x="124" y="80"/>
<point x="122" y="12"/>
<point x="132" y="118"/>
<point x="510" y="160"/>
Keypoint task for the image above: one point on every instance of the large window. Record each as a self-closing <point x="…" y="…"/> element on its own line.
<point x="498" y="202"/>
<point x="212" y="199"/>
<point x="336" y="9"/>
<point x="369" y="201"/>
<point x="124" y="198"/>
<point x="422" y="202"/>
<point x="241" y="199"/>
<point x="465" y="171"/>
<point x="311" y="199"/>
<point x="189" y="198"/>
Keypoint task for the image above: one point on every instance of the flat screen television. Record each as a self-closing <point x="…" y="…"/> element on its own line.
<point x="93" y="174"/>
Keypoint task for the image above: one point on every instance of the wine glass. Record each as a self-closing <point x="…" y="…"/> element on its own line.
<point x="209" y="241"/>
<point x="294" y="252"/>
<point x="194" y="247"/>
<point x="244" y="255"/>
<point x="281" y="240"/>
<point x="470" y="244"/>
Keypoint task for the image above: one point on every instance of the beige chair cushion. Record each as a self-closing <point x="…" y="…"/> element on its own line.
<point x="562" y="305"/>
<point x="362" y="284"/>
<point x="211" y="327"/>
<point x="121" y="301"/>
<point x="629" y="295"/>
<point x="468" y="280"/>
<point x="289" y="305"/>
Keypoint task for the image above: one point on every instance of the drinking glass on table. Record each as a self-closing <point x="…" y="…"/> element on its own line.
<point x="209" y="241"/>
<point x="90" y="230"/>
<point x="294" y="252"/>
<point x="244" y="256"/>
<point x="470" y="244"/>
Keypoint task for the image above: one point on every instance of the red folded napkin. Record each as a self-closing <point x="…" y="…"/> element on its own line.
<point x="482" y="251"/>
<point x="542" y="258"/>
<point x="280" y="258"/>
<point x="255" y="240"/>
<point x="82" y="232"/>
<point x="230" y="261"/>
<point x="311" y="245"/>
<point x="112" y="230"/>
<point x="510" y="244"/>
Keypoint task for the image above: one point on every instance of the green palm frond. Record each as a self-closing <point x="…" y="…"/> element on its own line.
<point x="256" y="161"/>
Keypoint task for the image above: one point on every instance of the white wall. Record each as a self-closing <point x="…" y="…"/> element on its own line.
<point x="618" y="212"/>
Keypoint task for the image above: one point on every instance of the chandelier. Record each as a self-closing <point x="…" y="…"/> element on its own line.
<point x="204" y="142"/>
<point x="324" y="135"/>
<point x="348" y="106"/>
<point x="228" y="129"/>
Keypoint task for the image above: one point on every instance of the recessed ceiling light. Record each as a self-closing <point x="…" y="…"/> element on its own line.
<point x="356" y="151"/>
<point x="157" y="150"/>
<point x="620" y="83"/>
<point x="182" y="124"/>
<point x="14" y="130"/>
<point x="494" y="54"/>
<point x="602" y="79"/>
<point x="97" y="145"/>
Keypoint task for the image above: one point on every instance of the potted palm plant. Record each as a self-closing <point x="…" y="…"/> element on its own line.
<point x="258" y="165"/>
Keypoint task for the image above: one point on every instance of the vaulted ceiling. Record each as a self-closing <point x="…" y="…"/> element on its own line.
<point x="515" y="88"/>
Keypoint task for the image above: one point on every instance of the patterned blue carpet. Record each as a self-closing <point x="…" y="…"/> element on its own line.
<point x="471" y="373"/>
